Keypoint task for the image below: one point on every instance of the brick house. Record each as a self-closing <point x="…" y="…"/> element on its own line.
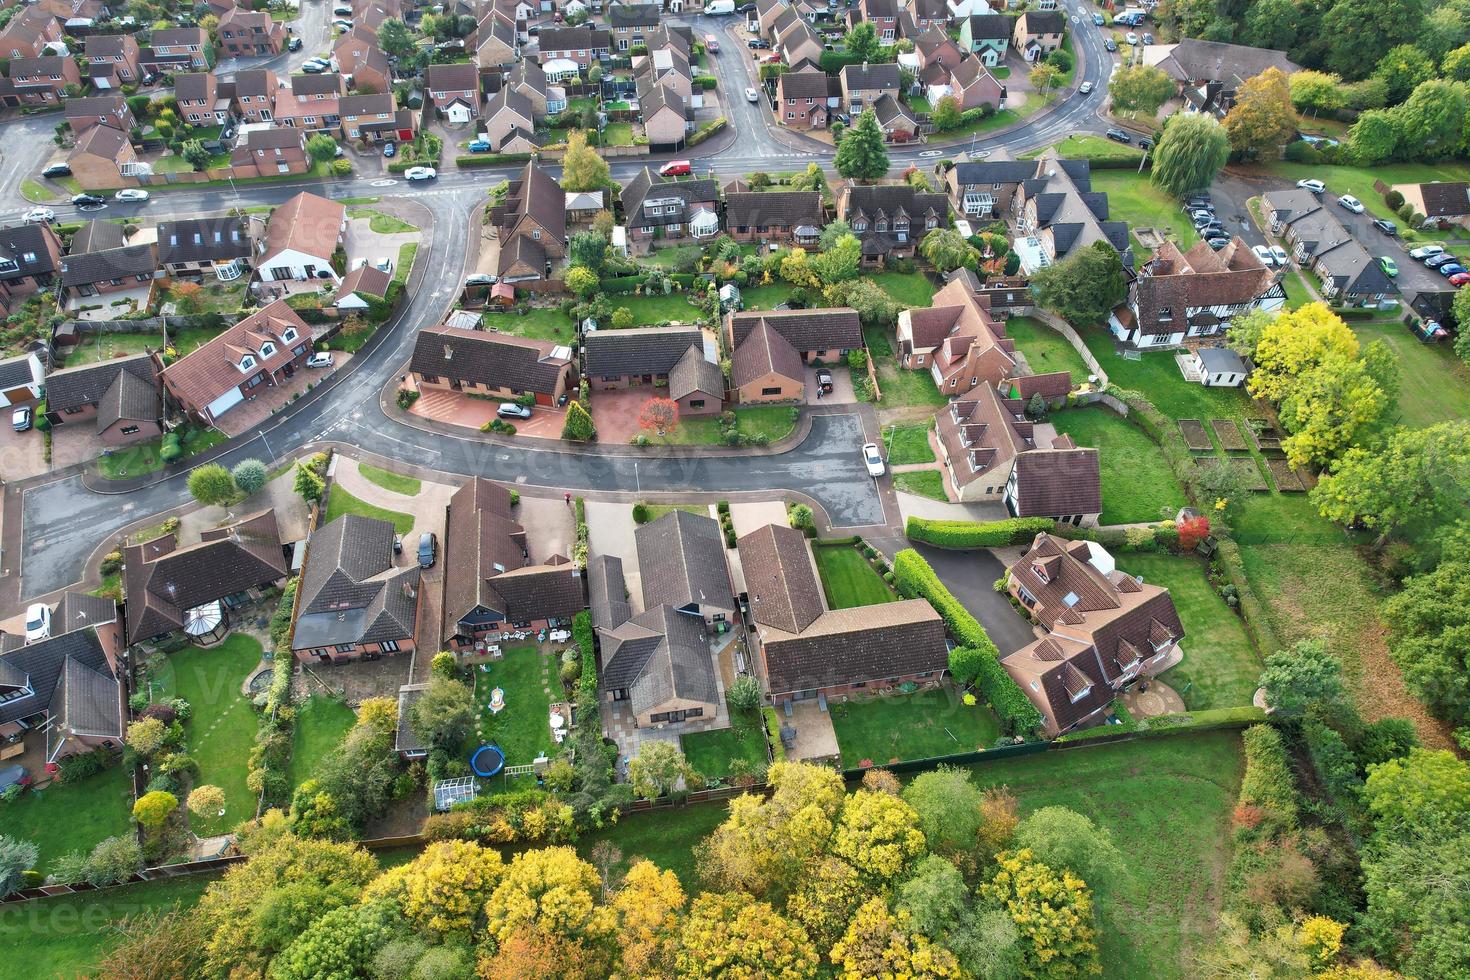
<point x="301" y="237"/>
<point x="670" y="210"/>
<point x="375" y="118"/>
<point x="454" y="91"/>
<point x="107" y="266"/>
<point x="121" y="398"/>
<point x="890" y="219"/>
<point x="806" y="99"/>
<point x="1320" y="242"/>
<point x="28" y="34"/>
<point x="508" y="114"/>
<point x="359" y="57"/>
<point x="667" y="118"/>
<point x="882" y="14"/>
<point x="583" y="45"/>
<point x="862" y="85"/>
<point x="270" y="152"/>
<point x="112" y="60"/>
<point x="30" y="257"/>
<point x="484" y="362"/>
<point x="66" y="687"/>
<point x="102" y="110"/>
<point x="973" y="86"/>
<point x="679" y="360"/>
<point x="1038" y="33"/>
<point x="98" y="158"/>
<point x="532" y="225"/>
<point x="631" y="24"/>
<point x="1181" y="296"/>
<point x="42" y="80"/>
<point x="197" y="247"/>
<point x="310" y="102"/>
<point x="199" y="99"/>
<point x="250" y="33"/>
<point x="177" y="49"/>
<point x="766" y="368"/>
<point x="353" y="602"/>
<point x="494" y="41"/>
<point x="255" y="94"/>
<point x="772" y="349"/>
<point x="784" y="217"/>
<point x="228" y="370"/>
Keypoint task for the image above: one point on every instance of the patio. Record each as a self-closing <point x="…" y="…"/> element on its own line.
<point x="816" y="738"/>
<point x="1159" y="699"/>
<point x="111" y="306"/>
<point x="457" y="408"/>
<point x="615" y="413"/>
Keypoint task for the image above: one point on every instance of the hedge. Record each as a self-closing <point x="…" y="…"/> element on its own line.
<point x="773" y="733"/>
<point x="1268" y="781"/>
<point x="623" y="284"/>
<point x="962" y="535"/>
<point x="913" y="578"/>
<point x="706" y="131"/>
<point x="488" y="159"/>
<point x="584" y="637"/>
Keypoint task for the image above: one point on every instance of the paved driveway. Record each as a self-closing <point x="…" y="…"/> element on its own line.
<point x="971" y="576"/>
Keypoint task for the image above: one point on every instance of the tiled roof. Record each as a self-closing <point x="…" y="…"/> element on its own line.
<point x="657" y="656"/>
<point x="1195" y="60"/>
<point x="806" y="330"/>
<point x="638" y="350"/>
<point x="453" y="78"/>
<point x="537" y="194"/>
<point x="351" y="591"/>
<point x="203" y="240"/>
<point x="101" y="141"/>
<point x="306" y="223"/>
<point x="1058" y="483"/>
<point x="212" y="369"/>
<point x="802" y="85"/>
<point x="861" y="644"/>
<point x="489" y="358"/>
<point x="867" y="76"/>
<point x="113" y="263"/>
<point x="97" y="236"/>
<point x="607" y="592"/>
<point x="1450" y="199"/>
<point x="126" y="386"/>
<point x="648" y="186"/>
<point x="681" y="558"/>
<point x="696" y="374"/>
<point x="36" y="241"/>
<point x="1042" y="22"/>
<point x="193" y="86"/>
<point x="43" y="664"/>
<point x="782" y="208"/>
<point x="367" y="280"/>
<point x="764" y="352"/>
<point x="783" y="588"/>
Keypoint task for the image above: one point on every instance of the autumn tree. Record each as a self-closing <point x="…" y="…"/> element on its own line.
<point x="1063" y="838"/>
<point x="1262" y="120"/>
<point x="1052" y="910"/>
<point x="947" y="804"/>
<point x="1140" y="88"/>
<point x="1316" y="91"/>
<point x="1192" y="150"/>
<point x="947" y="250"/>
<point x="549" y="889"/>
<point x="796" y="268"/>
<point x="734" y="935"/>
<point x="861" y="154"/>
<point x="879" y="943"/>
<point x="206" y="801"/>
<point x="826" y="898"/>
<point x="308" y="483"/>
<point x="1084" y="287"/>
<point x="211" y="484"/>
<point x="583" y="169"/>
<point x="656" y="769"/>
<point x="1417" y="475"/>
<point x="443" y="891"/>
<point x="1045" y="77"/>
<point x="878" y="834"/>
<point x="648" y="906"/>
<point x="146" y="736"/>
<point x="839" y="263"/>
<point x="581" y="280"/>
<point x="947" y="114"/>
<point x="186" y="295"/>
<point x="659" y="414"/>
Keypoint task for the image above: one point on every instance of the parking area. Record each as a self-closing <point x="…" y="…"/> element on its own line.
<point x="971" y="576"/>
<point x="364" y="243"/>
<point x="841" y="393"/>
<point x="1414" y="276"/>
<point x="22" y="454"/>
<point x="457" y="408"/>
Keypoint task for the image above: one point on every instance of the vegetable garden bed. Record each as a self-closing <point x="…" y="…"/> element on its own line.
<point x="1287" y="480"/>
<point x="1196" y="436"/>
<point x="1229" y="435"/>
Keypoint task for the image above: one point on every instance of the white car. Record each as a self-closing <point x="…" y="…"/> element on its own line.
<point x="751" y="95"/>
<point x="38" y="622"/>
<point x="420" y="173"/>
<point x="873" y="459"/>
<point x="1131" y="38"/>
<point x="130" y="194"/>
<point x="321" y="359"/>
<point x="1426" y="252"/>
<point x="1264" y="254"/>
<point x="1279" y="254"/>
<point x="1351" y="203"/>
<point x="1315" y="186"/>
<point x="1086" y="87"/>
<point x="40" y="216"/>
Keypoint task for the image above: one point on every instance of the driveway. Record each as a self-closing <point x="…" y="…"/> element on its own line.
<point x="841" y="394"/>
<point x="22" y="454"/>
<point x="364" y="243"/>
<point x="610" y="530"/>
<point x="971" y="576"/>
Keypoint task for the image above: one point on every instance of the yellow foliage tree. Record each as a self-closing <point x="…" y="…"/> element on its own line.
<point x="1321" y="937"/>
<point x="1052" y="911"/>
<point x="648" y="907"/>
<point x="878" y="834"/>
<point x="446" y="887"/>
<point x="1295" y="343"/>
<point x="826" y="899"/>
<point x="796" y="269"/>
<point x="1262" y="118"/>
<point x="880" y="944"/>
<point x="1327" y="408"/>
<point x="735" y="937"/>
<point x="552" y="890"/>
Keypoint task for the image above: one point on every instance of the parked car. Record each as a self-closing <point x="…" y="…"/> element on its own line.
<point x="1311" y="184"/>
<point x="481" y="279"/>
<point x="1387" y="227"/>
<point x="321" y="359"/>
<point x="1085" y="88"/>
<point x="1351" y="203"/>
<point x="20" y="419"/>
<point x="313" y="67"/>
<point x="342" y="25"/>
<point x="1148" y="38"/>
<point x="1199" y="201"/>
<point x="1264" y="254"/>
<point x="57" y="170"/>
<point x="1098" y="19"/>
<point x="39" y="216"/>
<point x="82" y="200"/>
<point x="1389" y="266"/>
<point x="510" y="410"/>
<point x="1110" y="45"/>
<point x="676" y="168"/>
<point x="478" y="146"/>
<point x="1459" y="279"/>
<point x="757" y="43"/>
<point x="1207" y="221"/>
<point x="824" y="380"/>
<point x="1202" y="214"/>
<point x="873" y="459"/>
<point x="428" y="549"/>
<point x="38" y="622"/>
<point x="1279" y="254"/>
<point x="13" y="775"/>
<point x="390" y="149"/>
<point x="420" y="173"/>
<point x="1131" y="38"/>
<point x="1118" y="136"/>
<point x="1218" y="242"/>
<point x="342" y="10"/>
<point x="1426" y="252"/>
<point x="1439" y="258"/>
<point x="751" y="95"/>
<point x="1450" y="269"/>
<point x="294" y="44"/>
<point x="131" y="195"/>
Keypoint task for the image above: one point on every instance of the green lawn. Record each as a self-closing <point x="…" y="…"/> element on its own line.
<point x="65" y="936"/>
<point x="667" y="837"/>
<point x="1086" y="147"/>
<point x="765" y="297"/>
<point x="908" y="288"/>
<point x="34" y="192"/>
<point x="539" y="324"/>
<point x="143" y="457"/>
<point x="60" y="819"/>
<point x="711" y="753"/>
<point x="900" y="387"/>
<point x="340" y="502"/>
<point x="222" y="728"/>
<point x="1221" y="668"/>
<point x="848" y="579"/>
<point x="171" y="164"/>
<point x="105" y="346"/>
<point x="774" y="421"/>
<point x="1045" y="349"/>
<point x="655" y="511"/>
<point x="1167" y="802"/>
<point x="521" y="728"/>
<point x="879" y="730"/>
<point x="383" y="224"/>
<point x="908" y="444"/>
<point x="925" y="483"/>
<point x="617" y="134"/>
<point x="408" y="486"/>
<point x="649" y="311"/>
<point x="1157" y="376"/>
<point x="1436" y="384"/>
<point x="669" y="258"/>
<point x="1297" y="292"/>
<point x="321" y="724"/>
<point x="1132" y="198"/>
<point x="406" y="254"/>
<point x="1137" y="483"/>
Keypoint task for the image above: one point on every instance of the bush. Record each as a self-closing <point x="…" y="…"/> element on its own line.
<point x="112" y="562"/>
<point x="964" y="535"/>
<point x="640" y="513"/>
<point x="1393" y="199"/>
<point x="406" y="397"/>
<point x="1268" y="781"/>
<point x="75" y="768"/>
<point x="964" y="665"/>
<point x="114" y="860"/>
<point x="773" y="733"/>
<point x="744" y="695"/>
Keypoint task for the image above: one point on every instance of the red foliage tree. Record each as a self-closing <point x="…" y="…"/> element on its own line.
<point x="661" y="414"/>
<point x="1192" y="531"/>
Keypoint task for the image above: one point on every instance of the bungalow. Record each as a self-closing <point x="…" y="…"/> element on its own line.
<point x="1179" y="296"/>
<point x="122" y="397"/>
<point x="301" y="238"/>
<point x="112" y="60"/>
<point x="353" y="601"/>
<point x="671" y="210"/>
<point x="1210" y="72"/>
<point x="21" y="379"/>
<point x="862" y="85"/>
<point x="495" y="576"/>
<point x="806" y="99"/>
<point x="1038" y="33"/>
<point x="177" y="49"/>
<point x="109" y="267"/>
<point x="531" y="223"/>
<point x="783" y="217"/>
<point x="772" y="349"/>
<point x="199" y="100"/>
<point x="1447" y="201"/>
<point x="268" y="152"/>
<point x="890" y="219"/>
<point x="360" y="287"/>
<point x="191" y="247"/>
<point x="680" y="360"/>
<point x="508" y="115"/>
<point x="454" y="91"/>
<point x="65" y="686"/>
<point x="1105" y="629"/>
<point x="583" y="45"/>
<point x="484" y="362"/>
<point x="42" y="81"/>
<point x="98" y="159"/>
<point x="262" y="349"/>
<point x="1319" y="242"/>
<point x="245" y="33"/>
<point x="310" y="103"/>
<point x="102" y="110"/>
<point x="988" y="37"/>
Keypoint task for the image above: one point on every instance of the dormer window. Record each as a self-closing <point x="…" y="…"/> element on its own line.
<point x="247" y="362"/>
<point x="859" y="226"/>
<point x="931" y="223"/>
<point x="1165" y="314"/>
<point x="881" y="226"/>
<point x="289" y="334"/>
<point x="267" y="349"/>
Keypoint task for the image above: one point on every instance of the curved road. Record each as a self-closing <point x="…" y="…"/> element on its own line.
<point x="64" y="521"/>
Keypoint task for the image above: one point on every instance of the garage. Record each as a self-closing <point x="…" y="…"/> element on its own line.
<point x="20" y="380"/>
<point x="224" y="403"/>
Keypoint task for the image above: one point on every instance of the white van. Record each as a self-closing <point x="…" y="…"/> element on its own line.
<point x="717" y="7"/>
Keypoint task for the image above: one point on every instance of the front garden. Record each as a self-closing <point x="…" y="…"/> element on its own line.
<point x="142" y="458"/>
<point x="340" y="502"/>
<point x="847" y="577"/>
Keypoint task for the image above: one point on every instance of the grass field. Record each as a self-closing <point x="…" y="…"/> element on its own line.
<point x="60" y="819"/>
<point x="520" y="729"/>
<point x="143" y="457"/>
<point x="1137" y="484"/>
<point x="408" y="486"/>
<point x="537" y="324"/>
<point x="711" y="753"/>
<point x="320" y="725"/>
<point x="1132" y="198"/>
<point x="665" y="837"/>
<point x="1157" y="376"/>
<point x="1045" y="349"/>
<point x="879" y="730"/>
<point x="774" y="421"/>
<point x="923" y="483"/>
<point x="618" y="134"/>
<point x="908" y="444"/>
<point x="1297" y="293"/>
<point x="908" y="288"/>
<point x="222" y="728"/>
<point x="650" y="311"/>
<point x="407" y="252"/>
<point x="1091" y="148"/>
<point x="900" y="387"/>
<point x="1221" y="668"/>
<point x="1436" y="384"/>
<point x="848" y="579"/>
<point x="655" y="511"/>
<point x="340" y="502"/>
<point x="383" y="224"/>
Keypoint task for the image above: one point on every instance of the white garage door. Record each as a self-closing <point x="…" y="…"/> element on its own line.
<point x="225" y="402"/>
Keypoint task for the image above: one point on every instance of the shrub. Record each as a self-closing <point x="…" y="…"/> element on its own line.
<point x="443" y="664"/>
<point x="112" y="562"/>
<point x="773" y="733"/>
<point x="154" y="808"/>
<point x="962" y="535"/>
<point x="75" y="768"/>
<point x="1268" y="782"/>
<point x="964" y="665"/>
<point x="744" y="695"/>
<point x="1393" y="199"/>
<point x="406" y="397"/>
<point x="113" y="860"/>
<point x="640" y="513"/>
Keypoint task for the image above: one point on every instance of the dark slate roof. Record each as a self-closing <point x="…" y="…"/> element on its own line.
<point x="97" y="236"/>
<point x="537" y="194"/>
<point x="1059" y="483"/>
<point x="806" y="330"/>
<point x="1196" y="60"/>
<point x="85" y="702"/>
<point x="681" y="557"/>
<point x="489" y="358"/>
<point x="638" y="350"/>
<point x="131" y="398"/>
<point x="803" y="85"/>
<point x="574" y="39"/>
<point x="23" y="240"/>
<point x="992" y="27"/>
<point x="1044" y="21"/>
<point x="696" y="374"/>
<point x="42" y="664"/>
<point x="82" y="610"/>
<point x="16" y="371"/>
<point x="649" y="186"/>
<point x="89" y="384"/>
<point x="657" y="656"/>
<point x="861" y="644"/>
<point x="607" y="592"/>
<point x="994" y="171"/>
<point x="114" y="263"/>
<point x="782" y="208"/>
<point x="1449" y="199"/>
<point x="783" y="588"/>
<point x="884" y="76"/>
<point x="351" y="591"/>
<point x="634" y="15"/>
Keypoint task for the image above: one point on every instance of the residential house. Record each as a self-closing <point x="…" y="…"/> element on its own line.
<point x="353" y="602"/>
<point x="531" y="224"/>
<point x="310" y="103"/>
<point x="232" y="367"/>
<point x="1057" y="213"/>
<point x="971" y="85"/>
<point x="671" y="210"/>
<point x="806" y="99"/>
<point x="112" y="61"/>
<point x="988" y="37"/>
<point x="454" y="91"/>
<point x="496" y="577"/>
<point x="1318" y="240"/>
<point x="494" y="41"/>
<point x="300" y="239"/>
<point x="1038" y="33"/>
<point x="41" y="81"/>
<point x="937" y="48"/>
<point x="771" y="349"/>
<point x="986" y="188"/>
<point x="667" y="119"/>
<point x="895" y="119"/>
<point x="268" y="152"/>
<point x="245" y="33"/>
<point x="666" y="67"/>
<point x="30" y="34"/>
<point x="766" y="368"/>
<point x="680" y="360"/>
<point x="102" y="110"/>
<point x="529" y="80"/>
<point x="882" y="14"/>
<point x="1105" y="629"/>
<point x="122" y="398"/>
<point x="1210" y="72"/>
<point x="165" y="582"/>
<point x="801" y="47"/>
<point x="926" y="15"/>
<point x="890" y="219"/>
<point x="862" y="85"/>
<point x="98" y="160"/>
<point x="630" y="24"/>
<point x="199" y="100"/>
<point x="1215" y="367"/>
<point x="177" y="49"/>
<point x="509" y="114"/>
<point x="361" y="287"/>
<point x="30" y="256"/>
<point x="190" y="247"/>
<point x="766" y="15"/>
<point x="782" y="217"/>
<point x="580" y="45"/>
<point x="66" y="687"/>
<point x="255" y="94"/>
<point x="358" y="57"/>
<point x="376" y="118"/>
<point x="495" y="365"/>
<point x="1184" y="297"/>
<point x="1439" y="201"/>
<point x="102" y="261"/>
<point x="21" y="379"/>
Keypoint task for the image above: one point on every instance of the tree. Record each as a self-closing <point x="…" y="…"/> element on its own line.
<point x="395" y="38"/>
<point x="813" y="178"/>
<point x="862" y="42"/>
<point x="249" y="475"/>
<point x="186" y="295"/>
<point x="1053" y="912"/>
<point x="321" y="148"/>
<point x="582" y="281"/>
<point x="861" y="154"/>
<point x="1084" y="287"/>
<point x="588" y="249"/>
<point x="309" y="483"/>
<point x="1044" y="77"/>
<point x="1419" y="475"/>
<point x="16" y="858"/>
<point x="1375" y="137"/>
<point x="338" y="944"/>
<point x="648" y="907"/>
<point x="1316" y="91"/>
<point x="947" y="804"/>
<point x="744" y="695"/>
<point x="656" y="769"/>
<point x="444" y="713"/>
<point x="947" y="250"/>
<point x="1328" y="408"/>
<point x="583" y="169"/>
<point x="1431" y="122"/>
<point x="445" y="888"/>
<point x="734" y="935"/>
<point x="1272" y="24"/>
<point x="841" y="262"/>
<point x="211" y="484"/>
<point x="1429" y="623"/>
<point x="1456" y="64"/>
<point x="878" y="834"/>
<point x="1401" y="69"/>
<point x="578" y="426"/>
<point x="874" y="306"/>
<point x="1262" y="120"/>
<point x="1192" y="150"/>
<point x="153" y="809"/>
<point x="1244" y="332"/>
<point x="195" y="154"/>
<point x="825" y="900"/>
<point x="1302" y="677"/>
<point x="837" y="230"/>
<point x="206" y="802"/>
<point x="594" y="74"/>
<point x="114" y="860"/>
<point x="550" y="889"/>
<point x="622" y="318"/>
<point x="1295" y="343"/>
<point x="1063" y="838"/>
<point x="946" y="114"/>
<point x="1353" y="27"/>
<point x="797" y="269"/>
<point x="1140" y="88"/>
<point x="934" y="897"/>
<point x="879" y="943"/>
<point x="153" y="944"/>
<point x="659" y="414"/>
<point x="146" y="736"/>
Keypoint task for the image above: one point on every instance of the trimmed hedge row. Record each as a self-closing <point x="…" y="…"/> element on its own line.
<point x="913" y="578"/>
<point x="965" y="535"/>
<point x="1268" y="781"/>
<point x="466" y="160"/>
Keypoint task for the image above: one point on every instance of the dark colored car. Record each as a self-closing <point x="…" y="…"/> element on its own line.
<point x="57" y="170"/>
<point x="13" y="775"/>
<point x="428" y="549"/>
<point x="1118" y="136"/>
<point x="824" y="380"/>
<point x="1144" y="143"/>
<point x="1387" y="227"/>
<point x="294" y="44"/>
<point x="83" y="199"/>
<point x="1110" y="45"/>
<point x="1443" y="258"/>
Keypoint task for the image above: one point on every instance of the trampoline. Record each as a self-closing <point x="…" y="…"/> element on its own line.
<point x="487" y="761"/>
